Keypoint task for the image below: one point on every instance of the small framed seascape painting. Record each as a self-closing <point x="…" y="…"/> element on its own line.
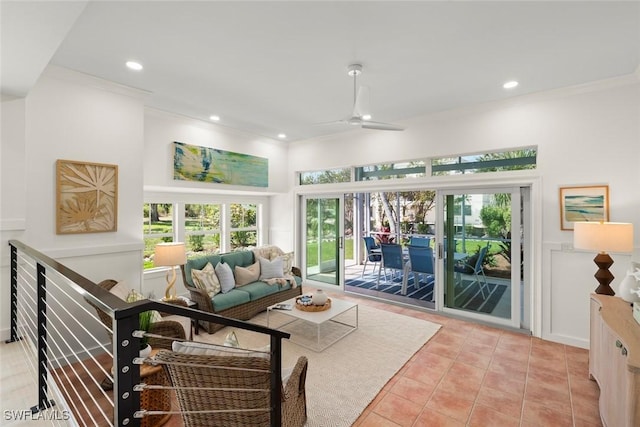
<point x="86" y="197"/>
<point x="589" y="203"/>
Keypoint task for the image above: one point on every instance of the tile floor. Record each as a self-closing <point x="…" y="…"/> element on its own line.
<point x="466" y="375"/>
<point x="474" y="375"/>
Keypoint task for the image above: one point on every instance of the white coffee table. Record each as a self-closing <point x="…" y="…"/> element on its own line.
<point x="316" y="330"/>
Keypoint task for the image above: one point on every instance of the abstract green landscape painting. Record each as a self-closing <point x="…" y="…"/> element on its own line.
<point x="204" y="164"/>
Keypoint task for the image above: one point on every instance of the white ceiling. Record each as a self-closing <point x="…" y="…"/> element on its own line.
<point x="269" y="67"/>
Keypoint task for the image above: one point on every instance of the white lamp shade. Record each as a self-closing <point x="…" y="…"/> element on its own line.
<point x="170" y="254"/>
<point x="603" y="236"/>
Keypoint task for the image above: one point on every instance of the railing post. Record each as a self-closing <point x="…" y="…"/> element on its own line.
<point x="43" y="358"/>
<point x="14" y="296"/>
<point x="126" y="375"/>
<point x="276" y="378"/>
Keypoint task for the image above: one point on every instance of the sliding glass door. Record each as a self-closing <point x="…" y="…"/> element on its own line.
<point x="481" y="273"/>
<point x="324" y="238"/>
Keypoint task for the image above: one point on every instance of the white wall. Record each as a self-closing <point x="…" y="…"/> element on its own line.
<point x="161" y="129"/>
<point x="72" y="116"/>
<point x="585" y="135"/>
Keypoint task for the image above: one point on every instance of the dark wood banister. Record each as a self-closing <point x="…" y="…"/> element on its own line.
<point x="123" y="311"/>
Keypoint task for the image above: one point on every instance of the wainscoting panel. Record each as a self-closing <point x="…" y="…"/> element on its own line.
<point x="567" y="282"/>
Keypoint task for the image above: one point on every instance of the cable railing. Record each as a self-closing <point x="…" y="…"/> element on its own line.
<point x="72" y="352"/>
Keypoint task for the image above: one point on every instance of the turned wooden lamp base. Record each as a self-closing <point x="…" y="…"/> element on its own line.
<point x="603" y="275"/>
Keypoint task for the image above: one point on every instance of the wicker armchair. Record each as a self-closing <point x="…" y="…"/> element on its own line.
<point x="203" y="384"/>
<point x="165" y="328"/>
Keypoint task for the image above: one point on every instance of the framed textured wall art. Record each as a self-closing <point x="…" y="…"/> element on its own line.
<point x="204" y="164"/>
<point x="86" y="197"/>
<point x="589" y="203"/>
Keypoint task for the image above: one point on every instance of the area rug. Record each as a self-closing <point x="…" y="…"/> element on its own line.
<point x="469" y="296"/>
<point x="344" y="378"/>
<point x="423" y="292"/>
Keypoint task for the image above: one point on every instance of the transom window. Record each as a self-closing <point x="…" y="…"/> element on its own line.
<point x="487" y="162"/>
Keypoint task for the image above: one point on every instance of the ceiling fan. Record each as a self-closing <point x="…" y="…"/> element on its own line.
<point x="360" y="115"/>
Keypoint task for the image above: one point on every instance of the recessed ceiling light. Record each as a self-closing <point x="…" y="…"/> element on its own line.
<point x="136" y="66"/>
<point x="366" y="117"/>
<point x="510" y="85"/>
<point x="214" y="118"/>
<point x="282" y="136"/>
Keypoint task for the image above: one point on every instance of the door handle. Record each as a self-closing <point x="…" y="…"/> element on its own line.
<point x="341" y="242"/>
<point x="440" y="250"/>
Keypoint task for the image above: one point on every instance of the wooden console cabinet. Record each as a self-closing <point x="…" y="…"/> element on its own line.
<point x="614" y="360"/>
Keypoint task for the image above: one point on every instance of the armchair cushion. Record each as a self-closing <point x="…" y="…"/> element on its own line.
<point x="202" y="348"/>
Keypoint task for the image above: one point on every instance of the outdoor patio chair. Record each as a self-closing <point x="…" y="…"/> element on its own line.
<point x="421" y="259"/>
<point x="392" y="259"/>
<point x="420" y="241"/>
<point x="478" y="271"/>
<point x="373" y="253"/>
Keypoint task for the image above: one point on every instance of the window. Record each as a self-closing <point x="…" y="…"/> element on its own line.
<point x="202" y="228"/>
<point x="487" y="162"/>
<point x="390" y="171"/>
<point x="244" y="225"/>
<point x="157" y="228"/>
<point x="325" y="176"/>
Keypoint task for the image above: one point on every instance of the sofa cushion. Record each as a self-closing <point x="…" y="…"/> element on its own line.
<point x="206" y="279"/>
<point x="230" y="299"/>
<point x="270" y="269"/>
<point x="258" y="290"/>
<point x="241" y="258"/>
<point x="248" y="274"/>
<point x="225" y="276"/>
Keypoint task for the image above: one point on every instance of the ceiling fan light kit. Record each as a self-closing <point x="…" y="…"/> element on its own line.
<point x="360" y="115"/>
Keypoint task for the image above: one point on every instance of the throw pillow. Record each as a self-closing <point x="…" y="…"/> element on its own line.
<point x="287" y="263"/>
<point x="121" y="290"/>
<point x="206" y="280"/>
<point x="246" y="275"/>
<point x="225" y="276"/>
<point x="205" y="349"/>
<point x="270" y="269"/>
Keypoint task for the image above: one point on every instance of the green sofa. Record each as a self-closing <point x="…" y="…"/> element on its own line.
<point x="243" y="302"/>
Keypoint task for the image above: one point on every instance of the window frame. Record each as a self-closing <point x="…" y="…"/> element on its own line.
<point x="180" y="233"/>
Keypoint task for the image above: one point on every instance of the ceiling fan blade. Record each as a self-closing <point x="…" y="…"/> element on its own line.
<point x="362" y="102"/>
<point x="366" y="124"/>
<point x="332" y="123"/>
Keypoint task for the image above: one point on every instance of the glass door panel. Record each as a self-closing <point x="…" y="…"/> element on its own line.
<point x="323" y="239"/>
<point x="478" y="231"/>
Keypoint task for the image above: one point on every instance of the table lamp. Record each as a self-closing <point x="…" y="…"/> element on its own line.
<point x="170" y="255"/>
<point x="603" y="237"/>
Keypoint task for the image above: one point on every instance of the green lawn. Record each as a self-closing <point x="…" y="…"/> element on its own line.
<point x="328" y="251"/>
